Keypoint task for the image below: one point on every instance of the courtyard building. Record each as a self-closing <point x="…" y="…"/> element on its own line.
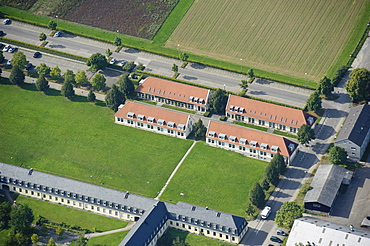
<point x="174" y="94"/>
<point x="267" y="114"/>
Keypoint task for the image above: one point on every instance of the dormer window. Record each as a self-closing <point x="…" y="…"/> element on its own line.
<point x="231" y="107"/>
<point x="141" y="117"/>
<point x="241" y="110"/>
<point x="181" y="127"/>
<point x="232" y="139"/>
<point x="161" y="122"/>
<point x="243" y="141"/>
<point x="274" y="148"/>
<point x="130" y="115"/>
<point x="253" y="143"/>
<point x="196" y="99"/>
<point x="201" y="100"/>
<point x="211" y="134"/>
<point x="191" y="98"/>
<point x="171" y="124"/>
<point x="151" y="119"/>
<point x="222" y="136"/>
<point x="236" y="109"/>
<point x="264" y="146"/>
<point x="291" y="146"/>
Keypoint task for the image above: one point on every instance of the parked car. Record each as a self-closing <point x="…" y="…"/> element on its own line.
<point x="13" y="49"/>
<point x="1" y="33"/>
<point x="122" y="63"/>
<point x="28" y="66"/>
<point x="6" y="21"/>
<point x="276" y="239"/>
<point x="281" y="233"/>
<point x="266" y="212"/>
<point x="36" y="55"/>
<point x="9" y="62"/>
<point x="7" y="47"/>
<point x="113" y="61"/>
<point x="58" y="34"/>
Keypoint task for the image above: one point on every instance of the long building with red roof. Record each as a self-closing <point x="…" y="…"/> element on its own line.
<point x="267" y="114"/>
<point x="249" y="142"/>
<point x="154" y="119"/>
<point x="173" y="93"/>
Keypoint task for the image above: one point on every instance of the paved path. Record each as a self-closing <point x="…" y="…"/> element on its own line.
<point x="98" y="234"/>
<point x="174" y="171"/>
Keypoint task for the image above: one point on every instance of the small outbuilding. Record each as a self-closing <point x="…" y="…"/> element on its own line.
<point x="325" y="187"/>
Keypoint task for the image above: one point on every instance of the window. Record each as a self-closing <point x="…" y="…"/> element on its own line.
<point x="227" y="236"/>
<point x="32" y="193"/>
<point x="189" y="227"/>
<point x="50" y="197"/>
<point x="207" y="231"/>
<point x="211" y="134"/>
<point x="183" y="225"/>
<point x="221" y="136"/>
<point x="171" y="222"/>
<point x="80" y="204"/>
<point x="98" y="209"/>
<point x="214" y="233"/>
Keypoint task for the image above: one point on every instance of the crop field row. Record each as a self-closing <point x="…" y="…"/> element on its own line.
<point x="287" y="37"/>
<point x="79" y="140"/>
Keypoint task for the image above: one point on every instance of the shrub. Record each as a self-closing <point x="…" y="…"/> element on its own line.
<point x="207" y="114"/>
<point x="223" y="118"/>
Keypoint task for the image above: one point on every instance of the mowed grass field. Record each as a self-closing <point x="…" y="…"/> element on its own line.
<point x="217" y="178"/>
<point x="80" y="140"/>
<point x="296" y="38"/>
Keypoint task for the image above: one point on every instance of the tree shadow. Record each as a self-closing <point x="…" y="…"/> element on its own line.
<point x="52" y="46"/>
<point x="262" y="82"/>
<point x="29" y="87"/>
<point x="100" y="103"/>
<point x="190" y="77"/>
<point x="257" y="92"/>
<point x="52" y="92"/>
<point x="198" y="66"/>
<point x="132" y="51"/>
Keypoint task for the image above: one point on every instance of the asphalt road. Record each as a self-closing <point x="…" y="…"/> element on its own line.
<point x="157" y="64"/>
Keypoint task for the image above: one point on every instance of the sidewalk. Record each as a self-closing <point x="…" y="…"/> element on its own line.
<point x="98" y="234"/>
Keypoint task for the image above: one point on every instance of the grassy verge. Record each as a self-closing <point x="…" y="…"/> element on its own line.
<point x="190" y="239"/>
<point x="285" y="134"/>
<point x="76" y="139"/>
<point x="261" y="128"/>
<point x="217" y="178"/>
<point x="70" y="216"/>
<point x="110" y="239"/>
<point x="179" y="109"/>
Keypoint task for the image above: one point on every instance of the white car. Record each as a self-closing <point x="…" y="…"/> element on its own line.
<point x="122" y="63"/>
<point x="9" y="62"/>
<point x="6" y="21"/>
<point x="266" y="212"/>
<point x="113" y="61"/>
<point x="7" y="47"/>
<point x="58" y="34"/>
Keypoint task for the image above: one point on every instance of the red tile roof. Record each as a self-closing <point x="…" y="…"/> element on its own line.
<point x="251" y="135"/>
<point x="268" y="111"/>
<point x="172" y="90"/>
<point x="155" y="112"/>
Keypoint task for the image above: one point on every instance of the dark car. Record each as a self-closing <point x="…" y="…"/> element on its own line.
<point x="281" y="233"/>
<point x="276" y="239"/>
<point x="28" y="66"/>
<point x="1" y="33"/>
<point x="36" y="55"/>
<point x="13" y="49"/>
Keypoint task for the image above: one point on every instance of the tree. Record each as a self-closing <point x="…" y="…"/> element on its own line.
<point x="60" y="231"/>
<point x="19" y="60"/>
<point x="5" y="209"/>
<point x="338" y="75"/>
<point x="279" y="163"/>
<point x="81" y="241"/>
<point x="175" y="68"/>
<point x="314" y="102"/>
<point x="52" y="25"/>
<point x="265" y="184"/>
<point x="140" y="66"/>
<point x="218" y="101"/>
<point x="250" y="210"/>
<point x="287" y="213"/>
<point x="51" y="242"/>
<point x="199" y="130"/>
<point x="44" y="230"/>
<point x="16" y="76"/>
<point x="337" y="155"/>
<point x="55" y="72"/>
<point x="42" y="84"/>
<point x="128" y="67"/>
<point x="325" y="86"/>
<point x="179" y="242"/>
<point x="67" y="90"/>
<point x="358" y="87"/>
<point x="43" y="69"/>
<point x="2" y="57"/>
<point x="114" y="98"/>
<point x="184" y="56"/>
<point x="257" y="195"/>
<point x="126" y="86"/>
<point x="244" y="84"/>
<point x="91" y="96"/>
<point x="97" y="61"/>
<point x="108" y="53"/>
<point x="98" y="81"/>
<point x="81" y="77"/>
<point x="42" y="36"/>
<point x="250" y="73"/>
<point x="21" y="218"/>
<point x="117" y="41"/>
<point x="34" y="238"/>
<point x="69" y="77"/>
<point x="272" y="174"/>
<point x="305" y="134"/>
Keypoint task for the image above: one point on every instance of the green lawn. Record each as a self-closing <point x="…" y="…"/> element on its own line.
<point x="109" y="240"/>
<point x="219" y="179"/>
<point x="59" y="213"/>
<point x="80" y="140"/>
<point x="191" y="239"/>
